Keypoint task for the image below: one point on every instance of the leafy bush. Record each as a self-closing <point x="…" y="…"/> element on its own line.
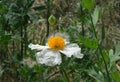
<point x="25" y="21"/>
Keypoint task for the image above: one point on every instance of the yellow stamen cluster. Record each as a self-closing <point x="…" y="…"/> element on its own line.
<point x="56" y="43"/>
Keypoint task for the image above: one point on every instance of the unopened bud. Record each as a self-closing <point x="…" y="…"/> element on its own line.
<point x="52" y="20"/>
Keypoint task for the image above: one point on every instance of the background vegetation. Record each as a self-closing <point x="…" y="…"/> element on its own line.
<point x="93" y="24"/>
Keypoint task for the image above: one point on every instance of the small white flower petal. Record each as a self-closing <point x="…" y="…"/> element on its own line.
<point x="49" y="58"/>
<point x="37" y="46"/>
<point x="72" y="49"/>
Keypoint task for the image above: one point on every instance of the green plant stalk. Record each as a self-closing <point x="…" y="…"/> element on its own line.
<point x="64" y="74"/>
<point x="21" y="34"/>
<point x="2" y="25"/>
<point x="53" y="29"/>
<point x="25" y="40"/>
<point x="48" y="14"/>
<point x="13" y="44"/>
<point x="95" y="34"/>
<point x="83" y="31"/>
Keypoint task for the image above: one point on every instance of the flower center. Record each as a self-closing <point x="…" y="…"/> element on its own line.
<point x="56" y="43"/>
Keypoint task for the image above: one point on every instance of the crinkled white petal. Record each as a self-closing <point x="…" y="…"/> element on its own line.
<point x="49" y="57"/>
<point x="72" y="49"/>
<point x="37" y="46"/>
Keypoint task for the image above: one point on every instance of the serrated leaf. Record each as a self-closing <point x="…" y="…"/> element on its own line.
<point x="115" y="57"/>
<point x="98" y="76"/>
<point x="112" y="58"/>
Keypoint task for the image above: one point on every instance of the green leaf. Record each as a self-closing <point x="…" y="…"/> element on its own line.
<point x="95" y="16"/>
<point x="2" y="8"/>
<point x="117" y="49"/>
<point x="24" y="71"/>
<point x="116" y="76"/>
<point x="98" y="76"/>
<point x="106" y="56"/>
<point x="88" y="4"/>
<point x="113" y="57"/>
<point x="93" y="44"/>
<point x="5" y="38"/>
<point x="38" y="69"/>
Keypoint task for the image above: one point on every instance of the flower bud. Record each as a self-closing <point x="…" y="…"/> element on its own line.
<point x="52" y="20"/>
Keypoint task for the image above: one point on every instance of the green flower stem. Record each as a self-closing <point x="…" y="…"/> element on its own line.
<point x="64" y="74"/>
<point x="53" y="29"/>
<point x="100" y="50"/>
<point x="25" y="40"/>
<point x="48" y="14"/>
<point x="21" y="34"/>
<point x="13" y="44"/>
<point x="83" y="30"/>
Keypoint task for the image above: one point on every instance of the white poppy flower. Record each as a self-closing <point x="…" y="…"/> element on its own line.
<point x="50" y="54"/>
